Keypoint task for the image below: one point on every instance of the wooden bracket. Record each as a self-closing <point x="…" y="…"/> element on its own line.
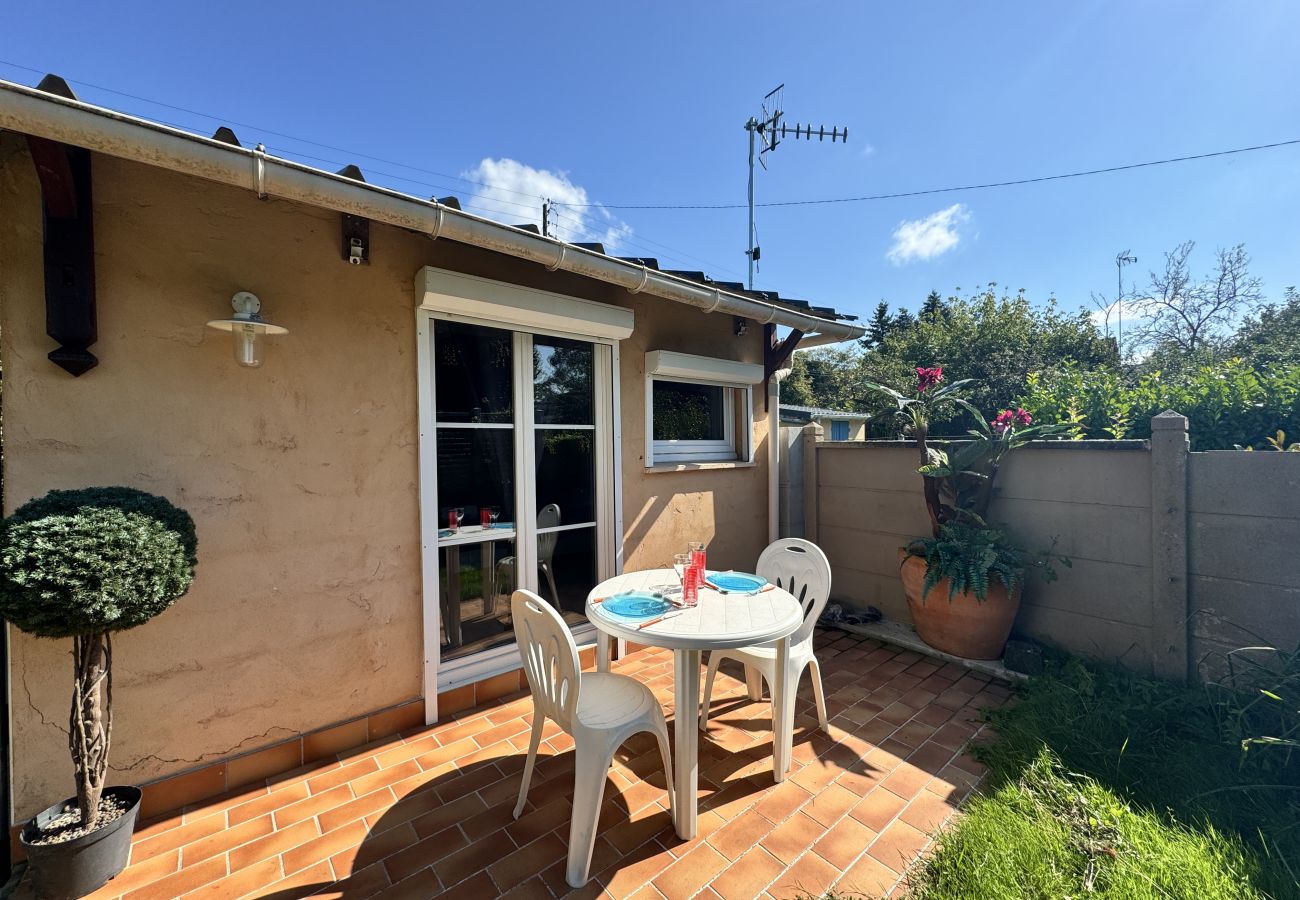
<point x="775" y="356"/>
<point x="69" y="244"/>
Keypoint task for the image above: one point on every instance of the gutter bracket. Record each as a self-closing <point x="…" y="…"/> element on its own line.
<point x="69" y="250"/>
<point x="775" y="356"/>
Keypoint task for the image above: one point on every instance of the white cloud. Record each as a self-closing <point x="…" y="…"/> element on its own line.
<point x="509" y="190"/>
<point x="867" y="150"/>
<point x="922" y="239"/>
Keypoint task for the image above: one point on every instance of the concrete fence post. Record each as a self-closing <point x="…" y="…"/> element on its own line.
<point x="812" y="434"/>
<point x="1169" y="593"/>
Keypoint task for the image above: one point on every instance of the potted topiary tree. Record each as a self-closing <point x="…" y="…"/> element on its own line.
<point x="963" y="582"/>
<point x="83" y="564"/>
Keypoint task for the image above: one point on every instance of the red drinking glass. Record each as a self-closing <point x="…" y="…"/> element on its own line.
<point x="484" y="516"/>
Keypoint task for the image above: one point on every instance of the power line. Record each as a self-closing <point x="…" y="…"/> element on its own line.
<point x="966" y="187"/>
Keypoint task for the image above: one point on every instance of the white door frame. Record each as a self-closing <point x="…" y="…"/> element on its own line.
<point x="609" y="489"/>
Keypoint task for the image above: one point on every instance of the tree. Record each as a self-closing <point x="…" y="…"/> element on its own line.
<point x="1272" y="336"/>
<point x="81" y="565"/>
<point x="933" y="308"/>
<point x="881" y="324"/>
<point x="1193" y="316"/>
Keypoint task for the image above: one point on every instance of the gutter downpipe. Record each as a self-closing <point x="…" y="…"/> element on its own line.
<point x="774" y="454"/>
<point x="30" y="111"/>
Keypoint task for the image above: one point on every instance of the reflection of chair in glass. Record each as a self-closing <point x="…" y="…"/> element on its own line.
<point x="600" y="710"/>
<point x="549" y="517"/>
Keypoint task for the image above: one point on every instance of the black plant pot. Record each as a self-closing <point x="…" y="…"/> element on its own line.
<point x="76" y="868"/>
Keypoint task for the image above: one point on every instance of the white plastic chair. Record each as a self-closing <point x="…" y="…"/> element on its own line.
<point x="549" y="517"/>
<point x="600" y="710"/>
<point x="801" y="568"/>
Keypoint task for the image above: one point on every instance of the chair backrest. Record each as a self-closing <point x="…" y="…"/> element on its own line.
<point x="549" y="655"/>
<point x="549" y="517"/>
<point x="801" y="568"/>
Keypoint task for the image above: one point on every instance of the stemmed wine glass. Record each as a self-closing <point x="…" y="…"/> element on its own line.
<point x="493" y="514"/>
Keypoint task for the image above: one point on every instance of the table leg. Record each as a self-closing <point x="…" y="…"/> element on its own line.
<point x="602" y="651"/>
<point x="686" y="737"/>
<point x="782" y="712"/>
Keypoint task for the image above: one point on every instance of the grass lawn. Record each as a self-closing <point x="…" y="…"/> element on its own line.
<point x="1106" y="785"/>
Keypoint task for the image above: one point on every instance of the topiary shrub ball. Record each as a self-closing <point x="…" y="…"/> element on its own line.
<point x="93" y="560"/>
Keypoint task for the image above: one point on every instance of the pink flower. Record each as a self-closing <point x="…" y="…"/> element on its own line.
<point x="1023" y="417"/>
<point x="927" y="378"/>
<point x="1008" y="419"/>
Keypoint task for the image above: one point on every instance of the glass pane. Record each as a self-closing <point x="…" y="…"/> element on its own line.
<point x="476" y="472"/>
<point x="563" y="379"/>
<point x="474" y="586"/>
<point x="689" y="412"/>
<point x="473" y="371"/>
<point x="566" y="562"/>
<point x="566" y="477"/>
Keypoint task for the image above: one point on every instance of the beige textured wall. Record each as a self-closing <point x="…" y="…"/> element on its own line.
<point x="1096" y="501"/>
<point x="301" y="476"/>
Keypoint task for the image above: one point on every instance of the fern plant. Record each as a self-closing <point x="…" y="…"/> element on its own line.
<point x="972" y="557"/>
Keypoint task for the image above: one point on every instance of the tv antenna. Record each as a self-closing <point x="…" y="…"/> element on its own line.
<point x="770" y="129"/>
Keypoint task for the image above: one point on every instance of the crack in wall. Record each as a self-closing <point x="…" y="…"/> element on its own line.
<point x="215" y="754"/>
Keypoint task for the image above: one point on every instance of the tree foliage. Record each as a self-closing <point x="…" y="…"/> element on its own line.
<point x="1271" y="336"/>
<point x="1190" y="314"/>
<point x="94" y="560"/>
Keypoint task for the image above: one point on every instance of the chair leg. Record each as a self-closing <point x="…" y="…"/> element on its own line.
<point x="753" y="683"/>
<point x="590" y="768"/>
<point x="819" y="694"/>
<point x="539" y="721"/>
<point x="715" y="658"/>
<point x="550" y="579"/>
<point x="661" y="734"/>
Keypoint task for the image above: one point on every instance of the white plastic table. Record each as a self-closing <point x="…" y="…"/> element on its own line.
<point x="719" y="621"/>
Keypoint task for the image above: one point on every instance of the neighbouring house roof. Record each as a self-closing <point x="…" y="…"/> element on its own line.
<point x="793" y="413"/>
<point x="53" y="112"/>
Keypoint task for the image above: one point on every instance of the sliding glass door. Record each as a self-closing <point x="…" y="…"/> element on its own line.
<point x="523" y="453"/>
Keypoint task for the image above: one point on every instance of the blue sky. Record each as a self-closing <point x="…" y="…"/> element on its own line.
<point x="590" y="102"/>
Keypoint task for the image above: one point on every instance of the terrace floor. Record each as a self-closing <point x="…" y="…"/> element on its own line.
<point x="429" y="813"/>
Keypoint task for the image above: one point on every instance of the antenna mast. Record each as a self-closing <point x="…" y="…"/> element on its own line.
<point x="771" y="131"/>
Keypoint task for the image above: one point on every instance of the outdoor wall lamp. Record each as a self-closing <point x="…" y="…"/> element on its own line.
<point x="248" y="329"/>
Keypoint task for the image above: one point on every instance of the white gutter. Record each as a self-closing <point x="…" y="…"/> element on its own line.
<point x="30" y="111"/>
<point x="774" y="454"/>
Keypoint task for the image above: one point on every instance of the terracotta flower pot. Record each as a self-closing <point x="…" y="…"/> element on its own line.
<point x="964" y="626"/>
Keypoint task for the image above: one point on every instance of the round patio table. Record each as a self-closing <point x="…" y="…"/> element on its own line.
<point x="720" y="621"/>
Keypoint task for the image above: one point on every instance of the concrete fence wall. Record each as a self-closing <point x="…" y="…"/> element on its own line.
<point x="1175" y="554"/>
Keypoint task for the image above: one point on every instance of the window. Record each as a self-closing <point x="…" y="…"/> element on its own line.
<point x="693" y="422"/>
<point x="698" y="409"/>
<point x="839" y="431"/>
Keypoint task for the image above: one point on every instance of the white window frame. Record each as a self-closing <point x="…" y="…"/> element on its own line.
<point x="737" y="379"/>
<point x="605" y="335"/>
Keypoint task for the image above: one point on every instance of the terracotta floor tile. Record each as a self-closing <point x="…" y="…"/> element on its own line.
<point x="362" y="883"/>
<point x="635" y="870"/>
<point x="831" y="803"/>
<point x="747" y="876"/>
<point x="424" y="884"/>
<point x="527" y="861"/>
<point x="323" y="847"/>
<point x="424" y="853"/>
<point x="227" y="839"/>
<point x="792" y="837"/>
<point x="810" y="875"/>
<point x="246" y="881"/>
<point x="906" y="781"/>
<point x="136" y="875"/>
<point x="182" y="882"/>
<point x="927" y="812"/>
<point x="455" y="867"/>
<point x="736" y="837"/>
<point x="782" y="801"/>
<point x="898" y="845"/>
<point x="372" y="850"/>
<point x="273" y="844"/>
<point x="868" y="878"/>
<point x="176" y="837"/>
<point x="532" y="825"/>
<point x="844" y="843"/>
<point x="331" y="778"/>
<point x="354" y="810"/>
<point x="696" y="868"/>
<point x="878" y="808"/>
<point x="313" y="805"/>
<point x="268" y="801"/>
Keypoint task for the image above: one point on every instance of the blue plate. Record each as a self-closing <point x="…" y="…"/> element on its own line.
<point x="636" y="605"/>
<point x="736" y="582"/>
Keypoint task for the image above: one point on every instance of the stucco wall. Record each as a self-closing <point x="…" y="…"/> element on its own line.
<point x="1096" y="501"/>
<point x="301" y="476"/>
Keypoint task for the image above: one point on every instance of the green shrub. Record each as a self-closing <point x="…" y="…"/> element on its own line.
<point x="1227" y="403"/>
<point x="93" y="560"/>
